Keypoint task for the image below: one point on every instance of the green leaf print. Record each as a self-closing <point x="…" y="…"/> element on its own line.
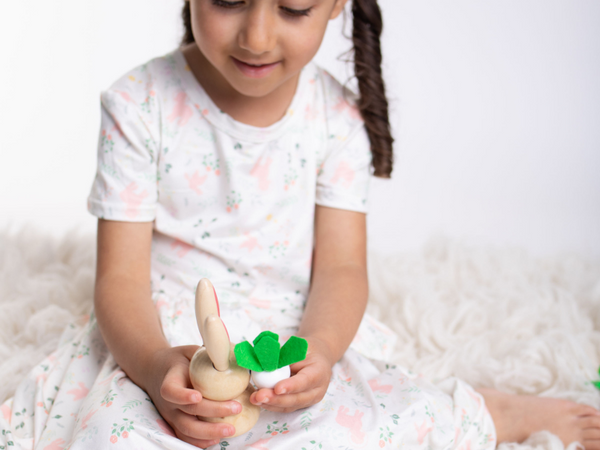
<point x="306" y="420"/>
<point x="131" y="404"/>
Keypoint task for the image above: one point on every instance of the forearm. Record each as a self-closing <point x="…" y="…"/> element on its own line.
<point x="335" y="307"/>
<point x="129" y="324"/>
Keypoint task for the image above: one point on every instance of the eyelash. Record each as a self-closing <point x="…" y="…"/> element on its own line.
<point x="290" y="11"/>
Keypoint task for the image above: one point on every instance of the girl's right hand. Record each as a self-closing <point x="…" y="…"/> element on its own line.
<point x="169" y="386"/>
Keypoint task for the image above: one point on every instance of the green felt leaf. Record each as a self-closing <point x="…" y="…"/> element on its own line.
<point x="246" y="357"/>
<point x="266" y="334"/>
<point x="293" y="350"/>
<point x="267" y="352"/>
<point x="596" y="383"/>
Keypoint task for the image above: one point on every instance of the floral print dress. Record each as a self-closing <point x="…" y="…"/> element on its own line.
<point x="233" y="203"/>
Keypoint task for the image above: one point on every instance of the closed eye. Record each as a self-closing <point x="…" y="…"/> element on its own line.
<point x="224" y="4"/>
<point x="296" y="12"/>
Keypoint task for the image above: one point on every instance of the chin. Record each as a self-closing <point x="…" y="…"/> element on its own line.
<point x="256" y="90"/>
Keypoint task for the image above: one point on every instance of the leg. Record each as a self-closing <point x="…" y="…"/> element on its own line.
<point x="518" y="416"/>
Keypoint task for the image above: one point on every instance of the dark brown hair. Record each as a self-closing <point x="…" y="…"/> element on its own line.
<point x="372" y="103"/>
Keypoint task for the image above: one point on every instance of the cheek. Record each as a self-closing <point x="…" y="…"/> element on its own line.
<point x="303" y="46"/>
<point x="211" y="35"/>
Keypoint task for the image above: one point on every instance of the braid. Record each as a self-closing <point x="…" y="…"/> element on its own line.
<point x="373" y="104"/>
<point x="186" y="15"/>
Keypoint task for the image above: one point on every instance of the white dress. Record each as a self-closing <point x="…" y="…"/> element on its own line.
<point x="233" y="203"/>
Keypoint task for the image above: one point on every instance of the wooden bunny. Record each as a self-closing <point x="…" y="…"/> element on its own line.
<point x="214" y="371"/>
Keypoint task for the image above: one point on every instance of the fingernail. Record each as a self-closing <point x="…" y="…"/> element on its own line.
<point x="196" y="398"/>
<point x="236" y="408"/>
<point x="228" y="431"/>
<point x="266" y="400"/>
<point x="282" y="391"/>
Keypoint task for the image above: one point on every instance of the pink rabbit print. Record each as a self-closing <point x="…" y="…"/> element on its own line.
<point x="250" y="243"/>
<point x="57" y="444"/>
<point x="343" y="174"/>
<point x="211" y="164"/>
<point x="260" y="444"/>
<point x="87" y="418"/>
<point x="233" y="201"/>
<point x="343" y="106"/>
<point x="354" y="423"/>
<point x="132" y="199"/>
<point x="181" y="112"/>
<point x="125" y="96"/>
<point x="195" y="181"/>
<point x="423" y="430"/>
<point x="6" y="411"/>
<point x="263" y="304"/>
<point x="261" y="171"/>
<point x="80" y="393"/>
<point x="376" y="387"/>
<point x="183" y="247"/>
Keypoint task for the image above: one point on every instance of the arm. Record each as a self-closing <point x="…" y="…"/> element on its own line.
<point x="131" y="329"/>
<point x="335" y="307"/>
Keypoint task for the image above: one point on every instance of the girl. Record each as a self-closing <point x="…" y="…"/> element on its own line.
<point x="237" y="159"/>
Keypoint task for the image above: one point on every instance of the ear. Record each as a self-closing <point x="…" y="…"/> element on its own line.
<point x="337" y="8"/>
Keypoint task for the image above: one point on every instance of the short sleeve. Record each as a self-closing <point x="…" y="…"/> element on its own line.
<point x="343" y="178"/>
<point x="125" y="187"/>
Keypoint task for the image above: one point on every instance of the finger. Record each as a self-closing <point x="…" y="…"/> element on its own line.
<point x="210" y="408"/>
<point x="200" y="443"/>
<point x="194" y="428"/>
<point x="306" y="379"/>
<point x="189" y="350"/>
<point x="174" y="390"/>
<point x="261" y="396"/>
<point x="591" y="444"/>
<point x="295" y="401"/>
<point x="590" y="421"/>
<point x="590" y="434"/>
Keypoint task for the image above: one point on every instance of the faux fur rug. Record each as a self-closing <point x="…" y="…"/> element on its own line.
<point x="493" y="317"/>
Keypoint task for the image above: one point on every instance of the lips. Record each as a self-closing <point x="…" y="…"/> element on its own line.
<point x="255" y="70"/>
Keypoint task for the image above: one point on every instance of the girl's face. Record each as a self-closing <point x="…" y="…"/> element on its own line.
<point x="257" y="46"/>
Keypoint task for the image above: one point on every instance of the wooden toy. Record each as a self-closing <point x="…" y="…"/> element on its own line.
<point x="214" y="371"/>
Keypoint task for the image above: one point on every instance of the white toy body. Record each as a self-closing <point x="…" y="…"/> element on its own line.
<point x="268" y="380"/>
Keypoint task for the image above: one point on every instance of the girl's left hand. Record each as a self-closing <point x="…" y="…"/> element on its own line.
<point x="307" y="385"/>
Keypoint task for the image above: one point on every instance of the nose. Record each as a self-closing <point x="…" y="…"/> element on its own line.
<point x="257" y="36"/>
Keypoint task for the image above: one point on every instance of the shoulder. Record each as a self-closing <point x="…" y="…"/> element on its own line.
<point x="339" y="100"/>
<point x="341" y="114"/>
<point x="141" y="86"/>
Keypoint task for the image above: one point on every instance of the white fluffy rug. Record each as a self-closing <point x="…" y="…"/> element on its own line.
<point x="493" y="317"/>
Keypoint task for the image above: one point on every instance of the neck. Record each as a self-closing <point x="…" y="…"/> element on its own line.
<point x="240" y="107"/>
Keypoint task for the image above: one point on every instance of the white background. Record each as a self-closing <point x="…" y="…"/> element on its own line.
<point x="495" y="110"/>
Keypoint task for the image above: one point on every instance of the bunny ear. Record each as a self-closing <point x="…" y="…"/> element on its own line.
<point x="206" y="304"/>
<point x="216" y="342"/>
<point x="293" y="351"/>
